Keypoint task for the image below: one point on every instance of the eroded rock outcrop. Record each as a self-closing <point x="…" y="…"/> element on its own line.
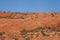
<point x="29" y="26"/>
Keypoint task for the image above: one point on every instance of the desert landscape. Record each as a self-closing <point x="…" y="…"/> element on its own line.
<point x="29" y="26"/>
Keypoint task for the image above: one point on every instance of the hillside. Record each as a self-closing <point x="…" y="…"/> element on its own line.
<point x="29" y="26"/>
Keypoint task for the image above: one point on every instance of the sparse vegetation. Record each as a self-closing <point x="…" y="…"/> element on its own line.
<point x="2" y="33"/>
<point x="44" y="32"/>
<point x="21" y="17"/>
<point x="52" y="14"/>
<point x="27" y="38"/>
<point x="16" y="38"/>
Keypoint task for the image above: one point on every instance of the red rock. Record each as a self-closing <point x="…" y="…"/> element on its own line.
<point x="13" y="22"/>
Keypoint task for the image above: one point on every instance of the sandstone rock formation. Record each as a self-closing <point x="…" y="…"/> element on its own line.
<point x="29" y="26"/>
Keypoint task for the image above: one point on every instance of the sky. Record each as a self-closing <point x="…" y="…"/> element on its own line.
<point x="30" y="5"/>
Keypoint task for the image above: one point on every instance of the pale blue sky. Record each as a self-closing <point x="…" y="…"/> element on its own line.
<point x="30" y="5"/>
